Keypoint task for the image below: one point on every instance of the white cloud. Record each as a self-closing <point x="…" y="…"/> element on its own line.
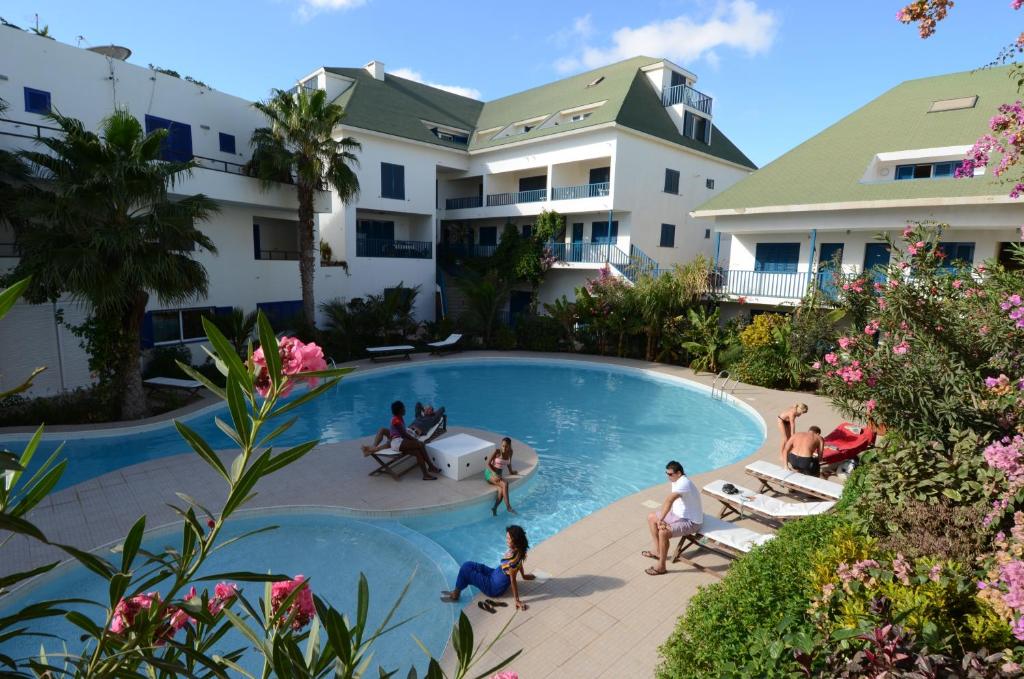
<point x="582" y="29"/>
<point x="738" y="24"/>
<point x="416" y="76"/>
<point x="310" y="8"/>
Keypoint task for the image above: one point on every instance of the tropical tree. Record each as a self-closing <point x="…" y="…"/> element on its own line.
<point x="101" y="227"/>
<point x="12" y="171"/>
<point x="299" y="147"/>
<point x="238" y="327"/>
<point x="486" y="296"/>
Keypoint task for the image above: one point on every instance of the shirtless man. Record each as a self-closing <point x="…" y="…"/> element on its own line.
<point x="803" y="451"/>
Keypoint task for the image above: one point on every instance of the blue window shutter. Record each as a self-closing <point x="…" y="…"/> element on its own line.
<point x="688" y="121"/>
<point x="707" y="132"/>
<point x="668" y="235"/>
<point x="227" y="143"/>
<point x="256" y="241"/>
<point x="146" y="333"/>
<point x="400" y="182"/>
<point x="777" y="257"/>
<point x="904" y="172"/>
<point x="37" y="101"/>
<point x="177" y="145"/>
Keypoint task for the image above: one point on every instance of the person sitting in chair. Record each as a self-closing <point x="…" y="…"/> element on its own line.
<point x="426" y="418"/>
<point x="401" y="440"/>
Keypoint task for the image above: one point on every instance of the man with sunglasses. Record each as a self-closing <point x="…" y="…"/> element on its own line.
<point x="680" y="514"/>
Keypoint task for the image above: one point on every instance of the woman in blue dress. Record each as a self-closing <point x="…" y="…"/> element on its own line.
<point x="494" y="582"/>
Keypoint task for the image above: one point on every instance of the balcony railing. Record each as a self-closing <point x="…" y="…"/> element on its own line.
<point x="9" y="250"/>
<point x="397" y="249"/>
<point x="535" y="196"/>
<point x="684" y="94"/>
<point x="588" y="253"/>
<point x="461" y="203"/>
<point x="779" y="285"/>
<point x="292" y="255"/>
<point x="219" y="165"/>
<point x="581" y="191"/>
<point x="468" y="250"/>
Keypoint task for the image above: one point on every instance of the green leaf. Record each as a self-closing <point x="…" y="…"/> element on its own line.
<point x="117" y="587"/>
<point x="303" y="399"/>
<point x="226" y="354"/>
<point x="245" y="576"/>
<point x="952" y="494"/>
<point x="39" y="489"/>
<point x="229" y="431"/>
<point x="288" y="457"/>
<point x="10" y="295"/>
<point x="131" y="544"/>
<point x="202" y="448"/>
<point x="277" y="432"/>
<point x="271" y="354"/>
<point x="200" y="377"/>
<point x="8" y="580"/>
<point x="81" y="621"/>
<point x="238" y="409"/>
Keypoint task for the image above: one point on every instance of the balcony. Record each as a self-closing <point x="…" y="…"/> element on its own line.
<point x="286" y="255"/>
<point x="393" y="249"/>
<point x="582" y="191"/>
<point x="467" y="250"/>
<point x="777" y="285"/>
<point x="462" y="203"/>
<point x="684" y="94"/>
<point x="516" y="197"/>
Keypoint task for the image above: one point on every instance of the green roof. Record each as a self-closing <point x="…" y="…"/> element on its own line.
<point x="829" y="167"/>
<point x="397" y="106"/>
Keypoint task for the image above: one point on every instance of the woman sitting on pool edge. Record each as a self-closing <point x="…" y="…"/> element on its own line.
<point x="496" y="463"/>
<point x="494" y="582"/>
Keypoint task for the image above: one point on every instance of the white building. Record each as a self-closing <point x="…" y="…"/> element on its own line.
<point x="885" y="165"/>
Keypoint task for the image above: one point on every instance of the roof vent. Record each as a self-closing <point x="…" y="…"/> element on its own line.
<point x="113" y="51"/>
<point x="596" y="81"/>
<point x="953" y="104"/>
<point x="376" y="69"/>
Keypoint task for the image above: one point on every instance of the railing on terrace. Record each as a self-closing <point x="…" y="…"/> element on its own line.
<point x="588" y="253"/>
<point x="780" y="285"/>
<point x="467" y="249"/>
<point x="684" y="94"/>
<point x="288" y="255"/>
<point x="461" y="203"/>
<point x="398" y="249"/>
<point x="219" y="165"/>
<point x="535" y="196"/>
<point x="26" y="130"/>
<point x="581" y="191"/>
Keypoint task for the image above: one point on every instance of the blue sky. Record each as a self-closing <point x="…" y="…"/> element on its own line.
<point x="779" y="71"/>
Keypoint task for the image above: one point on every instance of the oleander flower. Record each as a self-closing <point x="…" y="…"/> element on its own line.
<point x="507" y="674"/>
<point x="126" y="611"/>
<point x="831" y="358"/>
<point x="870" y="405"/>
<point x="296" y="357"/>
<point x="302" y="608"/>
<point x="901" y="349"/>
<point x="223" y="593"/>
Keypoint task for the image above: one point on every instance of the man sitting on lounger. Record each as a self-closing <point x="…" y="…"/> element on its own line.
<point x="803" y="451"/>
<point x="402" y="440"/>
<point x="680" y="514"/>
<point x="427" y="419"/>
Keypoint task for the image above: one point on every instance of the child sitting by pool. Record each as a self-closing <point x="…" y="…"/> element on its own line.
<point x="499" y="459"/>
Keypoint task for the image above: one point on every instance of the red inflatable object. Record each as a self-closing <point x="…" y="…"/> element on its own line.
<point x="846" y="442"/>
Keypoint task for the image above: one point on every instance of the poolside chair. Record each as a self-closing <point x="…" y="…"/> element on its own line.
<point x="393" y="351"/>
<point x="436" y="422"/>
<point x="449" y="343"/>
<point x="722" y="537"/>
<point x="389" y="461"/>
<point x="746" y="502"/>
<point x="768" y="474"/>
<point x="191" y="386"/>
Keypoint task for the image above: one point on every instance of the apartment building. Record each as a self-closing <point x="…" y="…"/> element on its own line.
<point x="885" y="165"/>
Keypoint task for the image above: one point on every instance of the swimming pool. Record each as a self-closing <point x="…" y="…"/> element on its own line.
<point x="601" y="432"/>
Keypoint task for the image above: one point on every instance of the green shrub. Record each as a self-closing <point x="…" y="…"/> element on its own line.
<point x="759" y="333"/>
<point x="764" y="366"/>
<point x="504" y="338"/>
<point x="163" y="361"/>
<point x="81" y="406"/>
<point x="538" y="333"/>
<point x="762" y="590"/>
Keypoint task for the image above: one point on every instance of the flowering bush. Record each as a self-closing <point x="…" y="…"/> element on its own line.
<point x="295" y="358"/>
<point x="292" y="602"/>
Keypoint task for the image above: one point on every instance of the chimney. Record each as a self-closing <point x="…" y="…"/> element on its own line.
<point x="376" y="69"/>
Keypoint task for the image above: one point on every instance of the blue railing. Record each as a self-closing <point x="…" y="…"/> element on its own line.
<point x="535" y="196"/>
<point x="460" y="203"/>
<point x="782" y="285"/>
<point x="581" y="191"/>
<point x="639" y="264"/>
<point x="467" y="249"/>
<point x="588" y="253"/>
<point x="684" y="94"/>
<point x="397" y="249"/>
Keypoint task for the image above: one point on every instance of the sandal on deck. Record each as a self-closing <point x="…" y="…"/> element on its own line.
<point x="654" y="571"/>
<point x="649" y="555"/>
<point x="499" y="604"/>
<point x="485" y="606"/>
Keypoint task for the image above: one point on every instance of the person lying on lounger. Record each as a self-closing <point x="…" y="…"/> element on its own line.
<point x="402" y="440"/>
<point x="427" y="417"/>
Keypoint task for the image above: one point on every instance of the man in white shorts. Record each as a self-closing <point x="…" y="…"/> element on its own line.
<point x="680" y="514"/>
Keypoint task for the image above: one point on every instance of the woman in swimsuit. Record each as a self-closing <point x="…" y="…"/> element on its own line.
<point x="494" y="582"/>
<point x="787" y="425"/>
<point x="500" y="458"/>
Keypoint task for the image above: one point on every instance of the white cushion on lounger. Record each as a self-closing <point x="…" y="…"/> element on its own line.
<point x="765" y="504"/>
<point x="796" y="479"/>
<point x="446" y="342"/>
<point x="392" y="349"/>
<point x="731" y="535"/>
<point x="173" y="382"/>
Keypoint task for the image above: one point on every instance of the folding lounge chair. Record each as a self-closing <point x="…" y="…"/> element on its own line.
<point x="437" y="422"/>
<point x="449" y="343"/>
<point x="389" y="461"/>
<point x="191" y="386"/>
<point x="768" y="474"/>
<point x="394" y="351"/>
<point x="723" y="537"/>
<point x="759" y="506"/>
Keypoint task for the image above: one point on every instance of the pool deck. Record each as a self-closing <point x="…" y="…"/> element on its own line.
<point x="595" y="613"/>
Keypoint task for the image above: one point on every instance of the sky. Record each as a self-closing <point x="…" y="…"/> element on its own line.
<point x="779" y="70"/>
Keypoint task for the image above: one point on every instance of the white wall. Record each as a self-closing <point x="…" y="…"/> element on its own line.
<point x="559" y="282"/>
<point x="32" y="337"/>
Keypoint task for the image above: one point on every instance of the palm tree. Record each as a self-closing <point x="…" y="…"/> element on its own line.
<point x="238" y="327"/>
<point x="101" y="227"/>
<point x="299" y="147"/>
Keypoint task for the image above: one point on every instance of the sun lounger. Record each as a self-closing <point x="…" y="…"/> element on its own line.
<point x="449" y="343"/>
<point x="768" y="474"/>
<point x="394" y="351"/>
<point x="434" y="424"/>
<point x="191" y="386"/>
<point x="723" y="537"/>
<point x="760" y="506"/>
<point x="389" y="462"/>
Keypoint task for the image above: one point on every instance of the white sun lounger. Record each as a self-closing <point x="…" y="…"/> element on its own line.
<point x="760" y="506"/>
<point x="448" y="343"/>
<point x="723" y="537"/>
<point x="191" y="386"/>
<point x="769" y="474"/>
<point x="394" y="351"/>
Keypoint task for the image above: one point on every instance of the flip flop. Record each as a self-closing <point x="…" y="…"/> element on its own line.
<point x="499" y="604"/>
<point x="649" y="555"/>
<point x="484" y="606"/>
<point x="653" y="571"/>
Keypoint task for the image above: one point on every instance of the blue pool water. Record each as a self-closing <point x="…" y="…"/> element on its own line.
<point x="601" y="433"/>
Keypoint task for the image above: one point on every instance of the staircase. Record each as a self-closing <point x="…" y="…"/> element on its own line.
<point x="453" y="300"/>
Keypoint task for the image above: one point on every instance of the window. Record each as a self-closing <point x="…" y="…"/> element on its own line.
<point x="392" y="181"/>
<point x="677" y="79"/>
<point x="707" y="233"/>
<point x="672" y="181"/>
<point x="488" y="235"/>
<point x="37" y="101"/>
<point x="599" y="232"/>
<point x="179" y="325"/>
<point x="375" y="229"/>
<point x="454" y="137"/>
<point x="777" y="257"/>
<point x="1007" y="259"/>
<point x="577" y="117"/>
<point x="281" y="314"/>
<point x="696" y="127"/>
<point x="177" y="145"/>
<point x="600" y="175"/>
<point x="957" y="254"/>
<point x="227" y="143"/>
<point x="538" y="183"/>
<point x="709" y="183"/>
<point x="527" y="230"/>
<point x="668" y="236"/>
<point x="942" y="170"/>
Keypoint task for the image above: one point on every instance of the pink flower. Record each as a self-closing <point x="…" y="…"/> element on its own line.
<point x="958" y="284"/>
<point x="908" y="230"/>
<point x="831" y="358"/>
<point x="296" y="357"/>
<point x="870" y="405"/>
<point x="223" y="593"/>
<point x="901" y="569"/>
<point x="178" y="618"/>
<point x="912" y="249"/>
<point x="507" y="674"/>
<point x="741" y="299"/>
<point x="882" y="305"/>
<point x="302" y="607"/>
<point x="127" y="609"/>
<point x="816" y="365"/>
<point x="845" y="342"/>
<point x="935" y="572"/>
<point x="901" y="348"/>
<point x="871" y="328"/>
<point x="983" y="330"/>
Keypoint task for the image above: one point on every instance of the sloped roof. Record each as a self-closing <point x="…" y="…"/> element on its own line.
<point x="829" y="167"/>
<point x="397" y="106"/>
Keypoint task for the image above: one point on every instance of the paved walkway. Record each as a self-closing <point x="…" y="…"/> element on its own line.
<point x="595" y="613"/>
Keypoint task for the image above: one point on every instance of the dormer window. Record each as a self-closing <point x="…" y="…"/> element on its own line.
<point x="943" y="170"/>
<point x="596" y="81"/>
<point x="577" y="117"/>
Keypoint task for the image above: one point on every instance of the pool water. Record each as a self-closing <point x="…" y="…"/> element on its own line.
<point x="601" y="433"/>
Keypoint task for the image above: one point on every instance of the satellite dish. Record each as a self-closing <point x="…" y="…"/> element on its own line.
<point x="113" y="51"/>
